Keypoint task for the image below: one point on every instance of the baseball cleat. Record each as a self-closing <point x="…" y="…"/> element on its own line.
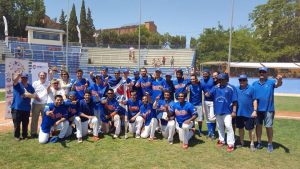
<point x="230" y="148"/>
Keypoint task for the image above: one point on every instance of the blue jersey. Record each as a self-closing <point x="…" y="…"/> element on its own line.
<point x="171" y="88"/>
<point x="196" y="94"/>
<point x="87" y="108"/>
<point x="99" y="90"/>
<point x="162" y="106"/>
<point x="265" y="95"/>
<point x="58" y="111"/>
<point x="73" y="108"/>
<point x="146" y="84"/>
<point x="19" y="102"/>
<point x="113" y="81"/>
<point x="223" y="98"/>
<point x="79" y="87"/>
<point x="180" y="86"/>
<point x="158" y="85"/>
<point x="207" y="85"/>
<point x="148" y="111"/>
<point x="246" y="97"/>
<point x="183" y="112"/>
<point x="137" y="89"/>
<point x="110" y="107"/>
<point x="133" y="108"/>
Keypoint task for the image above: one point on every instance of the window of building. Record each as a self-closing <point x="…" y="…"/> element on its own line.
<point x="46" y="36"/>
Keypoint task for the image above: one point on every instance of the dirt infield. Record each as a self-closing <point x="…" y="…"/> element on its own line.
<point x="7" y="124"/>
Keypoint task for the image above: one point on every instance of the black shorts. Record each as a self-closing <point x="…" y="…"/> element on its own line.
<point x="246" y="122"/>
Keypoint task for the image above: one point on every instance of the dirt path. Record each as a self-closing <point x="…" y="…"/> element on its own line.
<point x="7" y="124"/>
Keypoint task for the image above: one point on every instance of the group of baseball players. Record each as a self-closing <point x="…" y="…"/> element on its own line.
<point x="147" y="106"/>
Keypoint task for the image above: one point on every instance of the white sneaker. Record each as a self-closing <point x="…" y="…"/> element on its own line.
<point x="126" y="136"/>
<point x="79" y="140"/>
<point x="115" y="136"/>
<point x="137" y="136"/>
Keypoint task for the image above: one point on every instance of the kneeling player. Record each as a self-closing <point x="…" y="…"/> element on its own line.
<point x="72" y="106"/>
<point x="86" y="117"/>
<point x="149" y="118"/>
<point x="166" y="118"/>
<point x="110" y="114"/>
<point x="247" y="106"/>
<point x="185" y="114"/>
<point x="55" y="114"/>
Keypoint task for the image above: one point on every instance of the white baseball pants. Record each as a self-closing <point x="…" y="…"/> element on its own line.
<point x="209" y="112"/>
<point x="136" y="126"/>
<point x="168" y="131"/>
<point x="82" y="127"/>
<point x="225" y="120"/>
<point x="44" y="137"/>
<point x="185" y="132"/>
<point x="150" y="129"/>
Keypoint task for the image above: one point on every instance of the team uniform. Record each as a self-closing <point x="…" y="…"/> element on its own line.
<point x="150" y="120"/>
<point x="210" y="117"/>
<point x="223" y="97"/>
<point x="138" y="90"/>
<point x="146" y="84"/>
<point x="167" y="123"/>
<point x="265" y="97"/>
<point x="196" y="99"/>
<point x="79" y="87"/>
<point x="112" y="108"/>
<point x="183" y="113"/>
<point x="158" y="85"/>
<point x="48" y="122"/>
<point x="73" y="108"/>
<point x="133" y="109"/>
<point x="82" y="123"/>
<point x="180" y="86"/>
<point x="245" y="109"/>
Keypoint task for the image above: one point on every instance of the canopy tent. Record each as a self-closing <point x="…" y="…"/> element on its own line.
<point x="246" y="64"/>
<point x="282" y="65"/>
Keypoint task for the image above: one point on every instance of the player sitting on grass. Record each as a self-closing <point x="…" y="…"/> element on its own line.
<point x="86" y="117"/>
<point x="72" y="105"/>
<point x="55" y="114"/>
<point x="167" y="119"/>
<point x="185" y="114"/>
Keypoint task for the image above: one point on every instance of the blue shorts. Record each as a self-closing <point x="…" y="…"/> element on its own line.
<point x="246" y="122"/>
<point x="265" y="117"/>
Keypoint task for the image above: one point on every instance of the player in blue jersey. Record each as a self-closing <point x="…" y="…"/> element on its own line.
<point x="86" y="116"/>
<point x="110" y="115"/>
<point x="112" y="82"/>
<point x="225" y="106"/>
<point x="72" y="106"/>
<point x="208" y="106"/>
<point x="149" y="118"/>
<point x="166" y="118"/>
<point x="20" y="107"/>
<point x="79" y="85"/>
<point x="170" y="85"/>
<point x="55" y="114"/>
<point x="180" y="83"/>
<point x="132" y="115"/>
<point x="129" y="82"/>
<point x="158" y="85"/>
<point x="246" y="113"/>
<point x="195" y="97"/>
<point x="185" y="114"/>
<point x="264" y="90"/>
<point x="138" y="90"/>
<point x="145" y="82"/>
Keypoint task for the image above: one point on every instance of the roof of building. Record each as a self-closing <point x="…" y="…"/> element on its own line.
<point x="44" y="29"/>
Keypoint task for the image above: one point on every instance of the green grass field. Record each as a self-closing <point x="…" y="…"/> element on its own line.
<point x="289" y="104"/>
<point x="138" y="153"/>
<point x="2" y="96"/>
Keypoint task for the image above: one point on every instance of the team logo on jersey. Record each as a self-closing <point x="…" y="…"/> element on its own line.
<point x="134" y="108"/>
<point x="180" y="112"/>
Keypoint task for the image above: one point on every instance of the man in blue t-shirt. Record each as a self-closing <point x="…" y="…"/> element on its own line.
<point x="246" y="113"/>
<point x="264" y="90"/>
<point x="225" y="106"/>
<point x="55" y="114"/>
<point x="195" y="89"/>
<point x="158" y="85"/>
<point x="79" y="85"/>
<point x="185" y="114"/>
<point x="207" y="83"/>
<point x="180" y="84"/>
<point x="164" y="115"/>
<point x="145" y="83"/>
<point x="20" y="107"/>
<point x="138" y="90"/>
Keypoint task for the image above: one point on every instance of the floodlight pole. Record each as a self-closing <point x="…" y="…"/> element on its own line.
<point x="67" y="38"/>
<point x="230" y="38"/>
<point x="139" y="59"/>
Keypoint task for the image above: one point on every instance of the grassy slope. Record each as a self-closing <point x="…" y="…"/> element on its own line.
<point x="134" y="153"/>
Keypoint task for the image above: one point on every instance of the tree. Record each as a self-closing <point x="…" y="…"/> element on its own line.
<point x="63" y="21"/>
<point x="36" y="18"/>
<point x="83" y="23"/>
<point x="193" y="42"/>
<point x="276" y="26"/>
<point x="73" y="22"/>
<point x="90" y="27"/>
<point x="6" y="9"/>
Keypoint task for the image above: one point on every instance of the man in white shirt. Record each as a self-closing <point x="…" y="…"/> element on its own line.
<point x="40" y="86"/>
<point x="54" y="90"/>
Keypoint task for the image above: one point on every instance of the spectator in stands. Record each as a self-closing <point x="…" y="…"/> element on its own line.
<point x="22" y="94"/>
<point x="65" y="81"/>
<point x="154" y="62"/>
<point x="38" y="105"/>
<point x="158" y="63"/>
<point x="163" y="60"/>
<point x="172" y="61"/>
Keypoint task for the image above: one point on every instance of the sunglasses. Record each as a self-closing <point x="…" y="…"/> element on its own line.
<point x="109" y="93"/>
<point x="242" y="80"/>
<point x="262" y="72"/>
<point x="63" y="74"/>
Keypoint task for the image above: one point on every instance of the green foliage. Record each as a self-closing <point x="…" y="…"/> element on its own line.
<point x="73" y="22"/>
<point x="63" y="21"/>
<point x="83" y="24"/>
<point x="90" y="27"/>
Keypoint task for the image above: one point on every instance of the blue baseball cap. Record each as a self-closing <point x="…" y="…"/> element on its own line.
<point x="136" y="72"/>
<point x="263" y="69"/>
<point x="243" y="76"/>
<point x="24" y="75"/>
<point x="125" y="71"/>
<point x="104" y="68"/>
<point x="117" y="71"/>
<point x="206" y="70"/>
<point x="221" y="76"/>
<point x="226" y="75"/>
<point x="158" y="70"/>
<point x="72" y="93"/>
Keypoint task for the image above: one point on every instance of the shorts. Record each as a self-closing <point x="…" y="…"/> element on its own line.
<point x="233" y="121"/>
<point x="199" y="112"/>
<point x="246" y="122"/>
<point x="265" y="117"/>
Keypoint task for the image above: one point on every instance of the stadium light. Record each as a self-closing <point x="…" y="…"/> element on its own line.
<point x="67" y="38"/>
<point x="139" y="59"/>
<point x="230" y="38"/>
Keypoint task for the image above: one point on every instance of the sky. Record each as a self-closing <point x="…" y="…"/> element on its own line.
<point x="178" y="17"/>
